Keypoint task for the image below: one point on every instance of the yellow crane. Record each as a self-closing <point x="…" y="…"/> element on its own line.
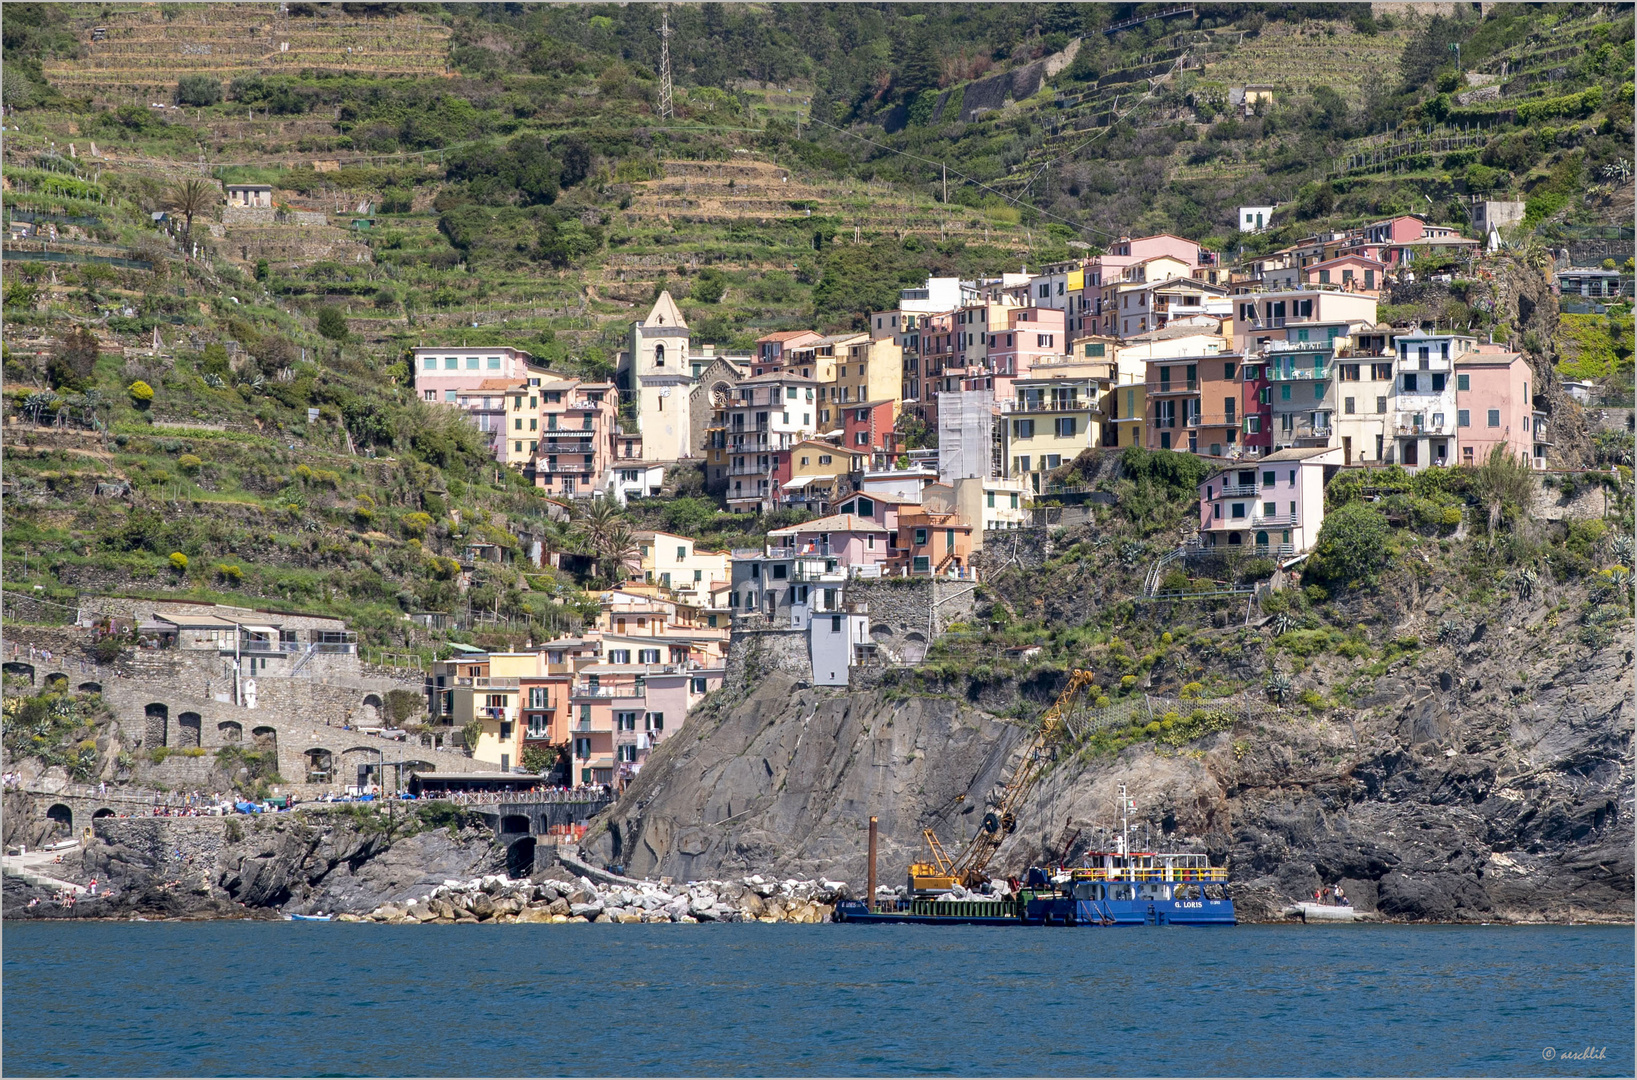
<point x="969" y="866"/>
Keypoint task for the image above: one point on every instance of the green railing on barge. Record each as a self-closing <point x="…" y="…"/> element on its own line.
<point x="968" y="909"/>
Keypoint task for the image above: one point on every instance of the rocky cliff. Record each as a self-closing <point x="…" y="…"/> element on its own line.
<point x="303" y="862"/>
<point x="1484" y="778"/>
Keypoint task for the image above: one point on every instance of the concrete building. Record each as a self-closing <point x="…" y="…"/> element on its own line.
<point x="1253" y="219"/>
<point x="1364" y="404"/>
<point x="579" y="426"/>
<point x="847" y="538"/>
<point x="765" y="414"/>
<point x="1030" y="336"/>
<point x="676" y="563"/>
<point x="1493" y="407"/>
<point x="871" y="370"/>
<point x="444" y="373"/>
<point x="1292" y="314"/>
<point x="1054" y="416"/>
<point x="772" y="349"/>
<point x="816" y="473"/>
<point x="1354" y="273"/>
<point x="249" y="195"/>
<point x="1424" y="407"/>
<point x="1272" y="507"/>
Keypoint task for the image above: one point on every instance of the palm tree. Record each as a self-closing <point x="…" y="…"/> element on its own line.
<point x="190" y="199"/>
<point x="618" y="549"/>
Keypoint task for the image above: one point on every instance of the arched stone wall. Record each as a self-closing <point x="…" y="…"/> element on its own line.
<point x="156" y="731"/>
<point x="189" y="729"/>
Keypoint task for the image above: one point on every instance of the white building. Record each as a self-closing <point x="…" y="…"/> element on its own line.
<point x="657" y="374"/>
<point x="1253" y="219"/>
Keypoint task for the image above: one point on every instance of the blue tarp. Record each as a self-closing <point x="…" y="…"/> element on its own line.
<point x="247" y="808"/>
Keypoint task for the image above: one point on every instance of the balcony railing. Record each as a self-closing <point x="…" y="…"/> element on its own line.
<point x="1412" y="431"/>
<point x="259" y="647"/>
<point x="1175" y="386"/>
<point x="485" y="682"/>
<point x="1049" y="405"/>
<point x="1296" y="372"/>
<point x="1237" y="491"/>
<point x="1275" y="521"/>
<point x="586" y="447"/>
<point x="600" y="692"/>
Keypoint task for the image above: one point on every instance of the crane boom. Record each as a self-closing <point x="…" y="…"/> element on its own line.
<point x="970" y="864"/>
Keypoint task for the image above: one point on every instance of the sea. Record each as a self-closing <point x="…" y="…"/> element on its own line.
<point x="333" y="999"/>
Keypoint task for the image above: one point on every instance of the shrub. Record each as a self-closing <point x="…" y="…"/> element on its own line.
<point x="179" y="562"/>
<point x="189" y="464"/>
<point x="1352" y="547"/>
<point x="198" y="90"/>
<point x="416" y="523"/>
<point x="108" y="650"/>
<point x="332" y="323"/>
<point x="141" y="394"/>
<point x="537" y="759"/>
<point x="229" y="574"/>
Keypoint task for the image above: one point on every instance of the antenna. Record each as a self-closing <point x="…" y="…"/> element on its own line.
<point x="665" y="109"/>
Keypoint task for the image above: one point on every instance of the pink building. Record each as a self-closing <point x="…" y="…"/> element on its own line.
<point x="1353" y="272"/>
<point x="1030" y="336"/>
<point x="847" y="538"/>
<point x="576" y="447"/>
<point x="771" y="349"/>
<point x="442" y="373"/>
<point x="1493" y="407"/>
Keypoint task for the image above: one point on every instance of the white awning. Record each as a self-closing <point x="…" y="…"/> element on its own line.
<point x="262" y="629"/>
<point x="798" y="482"/>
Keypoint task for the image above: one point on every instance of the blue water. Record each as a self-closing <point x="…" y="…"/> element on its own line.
<point x="243" y="998"/>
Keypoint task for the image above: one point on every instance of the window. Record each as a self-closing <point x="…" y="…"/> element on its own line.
<point x="1381" y="404"/>
<point x="494" y="363"/>
<point x="1227" y="370"/>
<point x="619" y="656"/>
<point x="1438" y="383"/>
<point x="1270" y="478"/>
<point x="824" y="459"/>
<point x="1463" y="418"/>
<point x="1269" y="509"/>
<point x="585" y="718"/>
<point x="1236" y="511"/>
<point x="1284" y="392"/>
<point x="1023" y="429"/>
<point x="1066" y="427"/>
<point x="1494" y="418"/>
<point x="1347" y="372"/>
<point x="429" y="364"/>
<point x="655" y="721"/>
<point x="1381" y="372"/>
<point x="989" y="499"/>
<point x="698" y="686"/>
<point x="1095" y="349"/>
<point x="647" y="656"/>
<point x="625" y="721"/>
<point x="1463" y="382"/>
<point x="920" y="537"/>
<point x="449" y="396"/>
<point x="1014" y="501"/>
<point x="1409" y="382"/>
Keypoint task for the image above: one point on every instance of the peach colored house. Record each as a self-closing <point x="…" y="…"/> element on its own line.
<point x="1493" y="407"/>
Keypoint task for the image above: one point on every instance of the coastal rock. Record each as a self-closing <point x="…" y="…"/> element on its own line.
<point x="586" y="910"/>
<point x="559" y="906"/>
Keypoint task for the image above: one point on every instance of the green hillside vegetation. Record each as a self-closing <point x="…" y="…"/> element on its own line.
<point x="518" y="186"/>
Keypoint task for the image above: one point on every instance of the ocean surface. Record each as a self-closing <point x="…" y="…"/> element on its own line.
<point x="256" y="998"/>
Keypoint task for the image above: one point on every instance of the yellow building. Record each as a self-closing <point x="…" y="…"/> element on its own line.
<point x="816" y="469"/>
<point x="1124" y="409"/>
<point x="1054" y="415"/>
<point x="521" y="426"/>
<point x="673" y="562"/>
<point x="494" y="700"/>
<point x="871" y="370"/>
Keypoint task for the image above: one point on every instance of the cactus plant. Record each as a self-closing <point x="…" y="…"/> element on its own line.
<point x="1278" y="686"/>
<point x="1450" y="632"/>
<point x="1524" y="580"/>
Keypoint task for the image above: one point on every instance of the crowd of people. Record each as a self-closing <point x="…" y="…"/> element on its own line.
<point x="537" y="793"/>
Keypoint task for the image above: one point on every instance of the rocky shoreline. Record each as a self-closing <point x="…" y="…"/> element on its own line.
<point x="495" y="899"/>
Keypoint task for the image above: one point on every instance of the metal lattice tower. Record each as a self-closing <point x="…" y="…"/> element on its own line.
<point x="665" y="109"/>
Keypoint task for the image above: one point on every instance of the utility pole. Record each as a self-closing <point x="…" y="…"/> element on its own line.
<point x="665" y="109"/>
<point x="946" y="183"/>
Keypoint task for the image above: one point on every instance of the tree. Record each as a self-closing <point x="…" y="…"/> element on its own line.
<point x="709" y="286"/>
<point x="537" y="759"/>
<point x="74" y="360"/>
<point x="332" y="323"/>
<point x="1505" y="486"/>
<point x="198" y="90"/>
<point x="191" y="198"/>
<point x="1352" y="547"/>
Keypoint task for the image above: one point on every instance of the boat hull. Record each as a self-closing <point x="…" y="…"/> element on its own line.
<point x="1058" y="911"/>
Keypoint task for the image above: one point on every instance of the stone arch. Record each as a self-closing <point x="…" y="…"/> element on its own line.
<point x="372" y="707"/>
<point x="881" y="632"/>
<point x="418" y="767"/>
<point x="513" y="823"/>
<point x="189" y="728"/>
<point x="55" y="676"/>
<point x="520" y="857"/>
<point x="90" y="688"/>
<point x="320" y="765"/>
<point x="158" y="715"/>
<point x="230" y="731"/>
<point x="659" y="355"/>
<point x="63" y="816"/>
<point x="102" y="812"/>
<point x="18" y="670"/>
<point x="266" y="737"/>
<point x="915" y="646"/>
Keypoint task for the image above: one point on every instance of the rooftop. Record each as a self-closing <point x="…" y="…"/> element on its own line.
<point x="834" y="523"/>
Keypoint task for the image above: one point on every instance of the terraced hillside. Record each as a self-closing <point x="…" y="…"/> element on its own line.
<point x="142" y="51"/>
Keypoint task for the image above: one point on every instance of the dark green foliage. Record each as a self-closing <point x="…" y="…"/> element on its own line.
<point x="198" y="90"/>
<point x="1180" y="474"/>
<point x="332" y="323"/>
<point x="1352" y="548"/>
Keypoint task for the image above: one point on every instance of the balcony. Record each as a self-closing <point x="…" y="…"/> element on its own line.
<point x="1274" y="521"/>
<point x="599" y="692"/>
<point x="1180" y="386"/>
<point x="484" y="682"/>
<point x="586" y="447"/>
<point x="1237" y="491"/>
<point x="1047" y="405"/>
<point x="749" y="470"/>
<point x="1296" y="372"/>
<point x="1424" y="430"/>
<point x="265" y="648"/>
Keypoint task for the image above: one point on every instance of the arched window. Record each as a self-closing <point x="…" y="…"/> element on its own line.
<point x="659" y="356"/>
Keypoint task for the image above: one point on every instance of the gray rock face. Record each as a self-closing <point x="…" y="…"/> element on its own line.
<point x="786" y="782"/>
<point x="1488" y="781"/>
